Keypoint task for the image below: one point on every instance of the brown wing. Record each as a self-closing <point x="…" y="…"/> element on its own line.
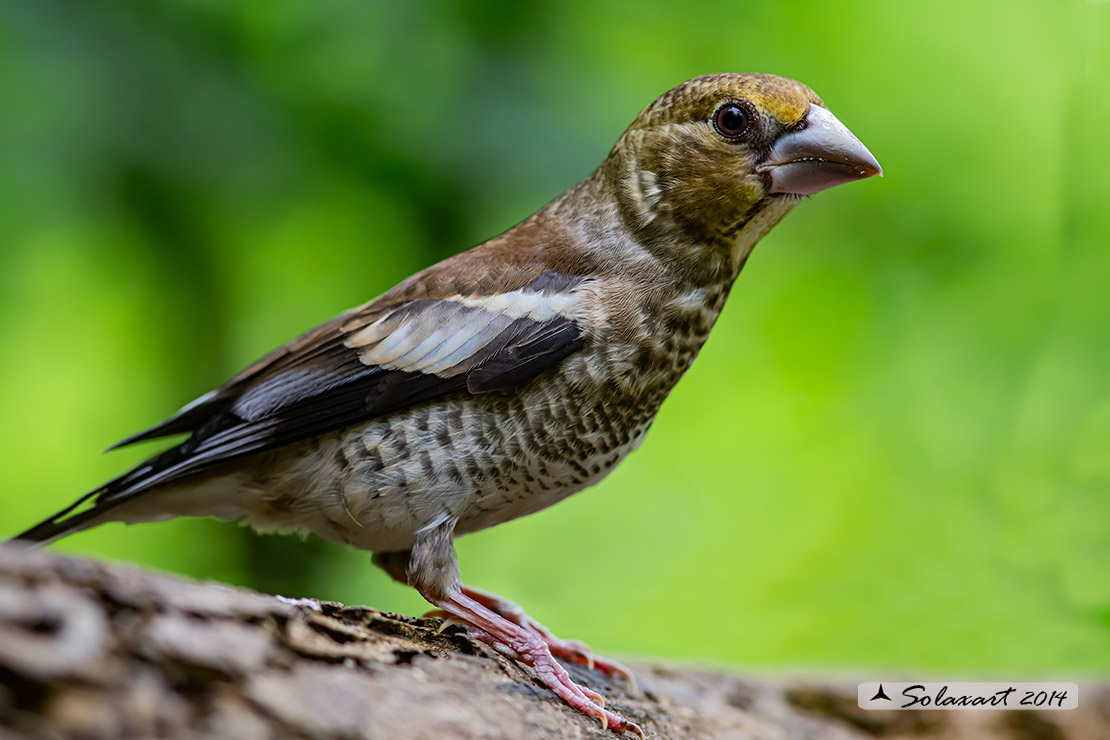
<point x="393" y="353"/>
<point x="377" y="360"/>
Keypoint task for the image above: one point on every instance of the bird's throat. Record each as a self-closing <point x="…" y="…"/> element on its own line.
<point x="756" y="225"/>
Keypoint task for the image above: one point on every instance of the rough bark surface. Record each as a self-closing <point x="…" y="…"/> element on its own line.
<point x="93" y="650"/>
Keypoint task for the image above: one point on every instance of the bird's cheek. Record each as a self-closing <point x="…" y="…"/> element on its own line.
<point x="710" y="206"/>
<point x="748" y="191"/>
<point x="740" y="181"/>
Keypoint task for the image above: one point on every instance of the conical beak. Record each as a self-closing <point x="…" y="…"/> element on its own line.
<point x="823" y="154"/>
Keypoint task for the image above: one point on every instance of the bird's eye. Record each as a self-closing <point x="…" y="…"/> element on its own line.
<point x="731" y="120"/>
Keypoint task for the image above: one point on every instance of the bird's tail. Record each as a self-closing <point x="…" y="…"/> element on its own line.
<point x="64" y="522"/>
<point x="143" y="477"/>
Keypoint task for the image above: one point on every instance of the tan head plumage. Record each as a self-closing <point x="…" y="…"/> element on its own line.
<point x="693" y="166"/>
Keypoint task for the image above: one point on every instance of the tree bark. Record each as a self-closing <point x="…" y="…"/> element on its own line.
<point x="95" y="650"/>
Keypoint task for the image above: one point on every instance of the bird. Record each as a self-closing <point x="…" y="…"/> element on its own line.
<point x="507" y="377"/>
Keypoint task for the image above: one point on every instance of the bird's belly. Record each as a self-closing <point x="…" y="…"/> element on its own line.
<point x="548" y="483"/>
<point x="480" y="460"/>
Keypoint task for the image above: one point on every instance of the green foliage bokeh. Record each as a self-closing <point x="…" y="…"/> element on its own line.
<point x="894" y="452"/>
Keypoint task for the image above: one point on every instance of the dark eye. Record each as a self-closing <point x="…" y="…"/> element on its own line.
<point x="731" y="120"/>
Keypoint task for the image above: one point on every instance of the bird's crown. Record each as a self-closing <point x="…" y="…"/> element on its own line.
<point x="784" y="99"/>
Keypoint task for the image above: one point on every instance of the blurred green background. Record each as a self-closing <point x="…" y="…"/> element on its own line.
<point x="893" y="453"/>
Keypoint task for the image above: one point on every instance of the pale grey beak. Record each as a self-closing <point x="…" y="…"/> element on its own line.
<point x="823" y="154"/>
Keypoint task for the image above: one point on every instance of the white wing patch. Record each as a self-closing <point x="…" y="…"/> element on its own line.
<point x="449" y="362"/>
<point x="452" y="335"/>
<point x="521" y="304"/>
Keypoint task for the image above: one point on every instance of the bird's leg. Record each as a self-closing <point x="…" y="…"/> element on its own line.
<point x="433" y="570"/>
<point x="571" y="650"/>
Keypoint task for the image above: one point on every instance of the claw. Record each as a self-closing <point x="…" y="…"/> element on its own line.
<point x="448" y="622"/>
<point x="633" y="687"/>
<point x="595" y="697"/>
<point x="604" y="717"/>
<point x="593" y="710"/>
<point x="583" y="652"/>
<point x="620" y="725"/>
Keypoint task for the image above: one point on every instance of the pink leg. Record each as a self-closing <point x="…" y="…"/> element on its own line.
<point x="432" y="568"/>
<point x="569" y="650"/>
<point x="529" y="648"/>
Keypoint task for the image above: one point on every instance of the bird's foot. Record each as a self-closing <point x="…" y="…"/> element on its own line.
<point x="569" y="650"/>
<point x="527" y="646"/>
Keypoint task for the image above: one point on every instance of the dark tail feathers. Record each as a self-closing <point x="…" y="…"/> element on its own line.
<point x="63" y="523"/>
<point x="144" y="476"/>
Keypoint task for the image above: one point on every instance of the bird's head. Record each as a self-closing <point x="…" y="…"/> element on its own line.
<point x="726" y="154"/>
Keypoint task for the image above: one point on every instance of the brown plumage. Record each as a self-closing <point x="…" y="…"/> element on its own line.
<point x="501" y="380"/>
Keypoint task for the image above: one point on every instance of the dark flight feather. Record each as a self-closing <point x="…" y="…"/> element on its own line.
<point x="317" y="384"/>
